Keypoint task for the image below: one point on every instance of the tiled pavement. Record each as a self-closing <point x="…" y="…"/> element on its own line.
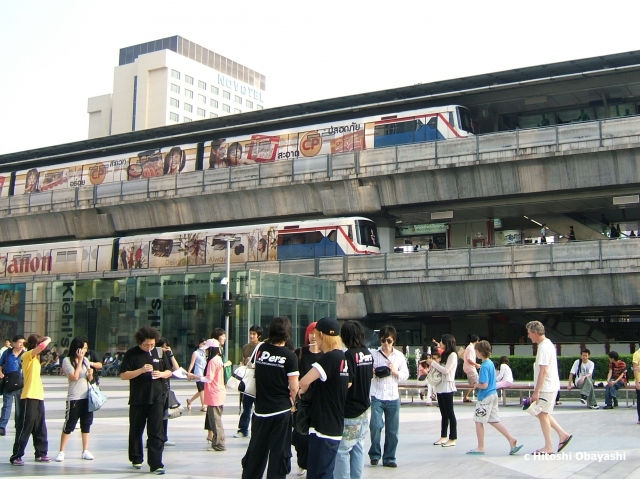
<point x="595" y="432"/>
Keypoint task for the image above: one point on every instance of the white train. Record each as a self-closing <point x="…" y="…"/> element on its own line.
<point x="264" y="242"/>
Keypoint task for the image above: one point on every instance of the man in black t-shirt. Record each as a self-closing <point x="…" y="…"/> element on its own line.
<point x="144" y="370"/>
<point x="350" y="458"/>
<point x="276" y="386"/>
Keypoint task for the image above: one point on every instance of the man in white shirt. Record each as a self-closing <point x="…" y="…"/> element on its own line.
<point x="581" y="376"/>
<point x="546" y="386"/>
<point x="7" y="345"/>
<point x="470" y="366"/>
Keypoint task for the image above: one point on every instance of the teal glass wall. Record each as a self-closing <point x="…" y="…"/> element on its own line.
<point x="184" y="307"/>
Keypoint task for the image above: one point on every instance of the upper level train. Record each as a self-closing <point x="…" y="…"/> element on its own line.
<point x="264" y="242"/>
<point x="356" y="134"/>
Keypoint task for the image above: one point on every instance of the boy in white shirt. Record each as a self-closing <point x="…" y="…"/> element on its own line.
<point x="581" y="376"/>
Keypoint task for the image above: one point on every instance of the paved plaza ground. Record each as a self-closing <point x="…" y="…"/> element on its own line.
<point x="598" y="435"/>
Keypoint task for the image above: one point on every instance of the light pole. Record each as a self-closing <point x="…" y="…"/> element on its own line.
<point x="225" y="281"/>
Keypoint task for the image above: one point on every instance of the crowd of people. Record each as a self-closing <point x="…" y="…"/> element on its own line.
<point x="352" y="390"/>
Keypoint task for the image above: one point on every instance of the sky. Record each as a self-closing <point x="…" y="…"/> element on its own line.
<point x="56" y="54"/>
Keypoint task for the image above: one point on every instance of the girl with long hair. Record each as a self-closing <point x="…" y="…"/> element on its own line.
<point x="446" y="389"/>
<point x="79" y="373"/>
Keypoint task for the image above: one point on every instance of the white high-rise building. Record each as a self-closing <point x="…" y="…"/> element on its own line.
<point x="171" y="81"/>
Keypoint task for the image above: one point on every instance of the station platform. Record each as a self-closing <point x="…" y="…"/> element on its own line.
<point x="604" y="443"/>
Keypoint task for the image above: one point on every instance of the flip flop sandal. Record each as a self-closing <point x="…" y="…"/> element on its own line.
<point x="564" y="443"/>
<point x="473" y="452"/>
<point x="189" y="403"/>
<point x="514" y="450"/>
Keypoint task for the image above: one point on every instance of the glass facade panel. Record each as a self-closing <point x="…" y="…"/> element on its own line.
<point x="184" y="307"/>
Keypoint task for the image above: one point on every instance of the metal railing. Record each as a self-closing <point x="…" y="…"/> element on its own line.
<point x="601" y="256"/>
<point x="494" y="147"/>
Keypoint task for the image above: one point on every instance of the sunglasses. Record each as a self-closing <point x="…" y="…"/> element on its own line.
<point x="388" y="341"/>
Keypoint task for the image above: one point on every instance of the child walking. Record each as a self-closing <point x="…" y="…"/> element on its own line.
<point x="487" y="404"/>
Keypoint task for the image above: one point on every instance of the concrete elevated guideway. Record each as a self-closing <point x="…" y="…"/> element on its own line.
<point x="597" y="159"/>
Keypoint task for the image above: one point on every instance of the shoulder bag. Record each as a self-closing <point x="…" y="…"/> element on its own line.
<point x="13" y="381"/>
<point x="244" y="377"/>
<point x="96" y="397"/>
<point x="382" y="371"/>
<point x="434" y="377"/>
<point x="302" y="413"/>
<point x="172" y="407"/>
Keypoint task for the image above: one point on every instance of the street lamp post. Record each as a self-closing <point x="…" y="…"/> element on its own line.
<point x="226" y="281"/>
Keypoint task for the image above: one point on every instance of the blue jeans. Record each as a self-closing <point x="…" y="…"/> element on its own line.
<point x="611" y="392"/>
<point x="322" y="457"/>
<point x="391" y="424"/>
<point x="245" y="417"/>
<point x="8" y="399"/>
<point x="350" y="459"/>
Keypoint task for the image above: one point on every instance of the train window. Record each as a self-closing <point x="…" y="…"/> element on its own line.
<point x="66" y="256"/>
<point x="419" y="124"/>
<point x="451" y="118"/>
<point x="367" y="233"/>
<point x="332" y="236"/>
<point x="464" y="120"/>
<point x="433" y="123"/>
<point x="350" y="232"/>
<point x="61" y="256"/>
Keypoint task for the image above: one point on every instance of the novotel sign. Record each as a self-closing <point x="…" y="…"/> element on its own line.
<point x="240" y="87"/>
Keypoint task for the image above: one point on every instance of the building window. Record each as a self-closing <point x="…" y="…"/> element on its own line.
<point x="214" y="103"/>
<point x="201" y="112"/>
<point x="175" y="74"/>
<point x="226" y="95"/>
<point x="214" y="90"/>
<point x="174" y="117"/>
<point x="226" y="108"/>
<point x="259" y="107"/>
<point x="188" y="93"/>
<point x="235" y="110"/>
<point x="175" y="88"/>
<point x="188" y="79"/>
<point x="175" y="103"/>
<point x="238" y="99"/>
<point x="202" y="85"/>
<point x="202" y="99"/>
<point x="186" y="120"/>
<point x="213" y="115"/>
<point x="188" y="107"/>
<point x="249" y="103"/>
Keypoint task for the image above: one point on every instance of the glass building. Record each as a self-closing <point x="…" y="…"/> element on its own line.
<point x="184" y="307"/>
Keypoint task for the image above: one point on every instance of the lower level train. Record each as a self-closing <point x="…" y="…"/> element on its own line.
<point x="264" y="242"/>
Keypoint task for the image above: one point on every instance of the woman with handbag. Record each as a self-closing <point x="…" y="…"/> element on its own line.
<point x="169" y="364"/>
<point x="331" y="377"/>
<point x="445" y="390"/>
<point x="76" y="367"/>
<point x="390" y="367"/>
<point x="197" y="366"/>
<point x="306" y="355"/>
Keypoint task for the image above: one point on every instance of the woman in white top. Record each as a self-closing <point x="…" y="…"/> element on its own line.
<point x="446" y="389"/>
<point x="197" y="367"/>
<point x="78" y="370"/>
<point x="505" y="375"/>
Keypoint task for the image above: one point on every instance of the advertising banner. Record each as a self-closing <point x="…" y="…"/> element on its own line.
<point x="110" y="169"/>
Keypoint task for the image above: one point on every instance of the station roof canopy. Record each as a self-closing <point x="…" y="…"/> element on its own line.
<point x="590" y="81"/>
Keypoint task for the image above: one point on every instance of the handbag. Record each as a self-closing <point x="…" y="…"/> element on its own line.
<point x="302" y="413"/>
<point x="13" y="381"/>
<point x="382" y="371"/>
<point x="243" y="378"/>
<point x="434" y="377"/>
<point x="173" y="408"/>
<point x="96" y="397"/>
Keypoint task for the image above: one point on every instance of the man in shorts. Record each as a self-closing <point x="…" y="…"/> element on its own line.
<point x="546" y="386"/>
<point x="470" y="366"/>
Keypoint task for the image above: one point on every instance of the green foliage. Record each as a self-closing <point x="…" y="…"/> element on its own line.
<point x="522" y="367"/>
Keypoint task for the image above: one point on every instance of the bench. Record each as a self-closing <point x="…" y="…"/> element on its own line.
<point x="411" y="387"/>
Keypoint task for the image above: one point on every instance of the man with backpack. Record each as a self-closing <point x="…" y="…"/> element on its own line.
<point x="10" y="362"/>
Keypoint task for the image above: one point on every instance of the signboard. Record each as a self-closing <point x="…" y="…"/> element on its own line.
<point x="421" y="229"/>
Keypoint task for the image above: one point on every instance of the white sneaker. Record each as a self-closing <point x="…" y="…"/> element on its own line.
<point x="86" y="455"/>
<point x="169" y="443"/>
<point x="60" y="457"/>
<point x="302" y="472"/>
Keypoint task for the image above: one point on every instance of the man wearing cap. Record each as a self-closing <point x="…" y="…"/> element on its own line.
<point x="546" y="386"/>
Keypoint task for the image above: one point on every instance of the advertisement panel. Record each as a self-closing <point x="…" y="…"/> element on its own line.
<point x="146" y="164"/>
<point x="5" y="179"/>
